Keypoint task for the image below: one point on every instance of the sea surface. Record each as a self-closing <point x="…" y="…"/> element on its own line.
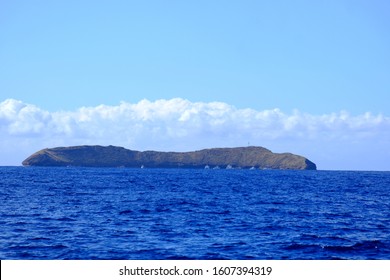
<point x="120" y="213"/>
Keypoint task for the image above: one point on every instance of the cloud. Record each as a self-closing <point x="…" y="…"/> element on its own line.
<point x="17" y="118"/>
<point x="179" y="118"/>
<point x="179" y="124"/>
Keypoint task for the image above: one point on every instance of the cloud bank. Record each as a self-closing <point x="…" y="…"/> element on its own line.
<point x="181" y="125"/>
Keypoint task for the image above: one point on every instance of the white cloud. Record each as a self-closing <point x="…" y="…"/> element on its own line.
<point x="179" y="124"/>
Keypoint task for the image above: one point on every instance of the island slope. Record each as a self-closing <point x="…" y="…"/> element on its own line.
<point x="111" y="156"/>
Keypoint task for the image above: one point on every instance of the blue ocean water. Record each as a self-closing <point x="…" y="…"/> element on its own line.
<point x="118" y="213"/>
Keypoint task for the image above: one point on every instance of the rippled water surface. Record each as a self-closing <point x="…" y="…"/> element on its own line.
<point x="104" y="213"/>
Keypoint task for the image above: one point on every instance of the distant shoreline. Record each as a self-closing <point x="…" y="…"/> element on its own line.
<point x="251" y="157"/>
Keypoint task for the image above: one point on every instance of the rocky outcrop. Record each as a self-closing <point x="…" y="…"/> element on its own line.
<point x="111" y="156"/>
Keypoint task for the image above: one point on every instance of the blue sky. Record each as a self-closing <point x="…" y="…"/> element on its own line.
<point x="304" y="58"/>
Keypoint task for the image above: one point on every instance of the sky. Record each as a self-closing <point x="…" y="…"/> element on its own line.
<point x="307" y="77"/>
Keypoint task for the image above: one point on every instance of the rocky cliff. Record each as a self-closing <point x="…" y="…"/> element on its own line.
<point x="99" y="156"/>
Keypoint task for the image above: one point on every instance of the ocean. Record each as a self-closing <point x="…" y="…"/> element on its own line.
<point x="120" y="213"/>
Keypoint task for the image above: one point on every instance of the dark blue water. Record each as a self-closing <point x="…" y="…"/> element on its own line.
<point x="92" y="213"/>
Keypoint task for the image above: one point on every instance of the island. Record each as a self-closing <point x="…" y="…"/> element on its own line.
<point x="111" y="156"/>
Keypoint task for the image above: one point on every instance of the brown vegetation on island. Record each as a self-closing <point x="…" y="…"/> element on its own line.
<point x="111" y="156"/>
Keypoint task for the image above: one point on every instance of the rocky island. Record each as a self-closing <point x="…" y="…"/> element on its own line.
<point x="111" y="156"/>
